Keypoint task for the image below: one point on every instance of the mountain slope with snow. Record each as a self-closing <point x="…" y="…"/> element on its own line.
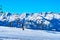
<point x="36" y="21"/>
<point x="37" y="26"/>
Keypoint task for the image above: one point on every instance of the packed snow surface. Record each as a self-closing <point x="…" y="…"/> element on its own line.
<point x="8" y="33"/>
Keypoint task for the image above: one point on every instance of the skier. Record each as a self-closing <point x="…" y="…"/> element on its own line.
<point x="22" y="27"/>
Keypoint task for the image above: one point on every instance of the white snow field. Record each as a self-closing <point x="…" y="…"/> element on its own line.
<point x="11" y="33"/>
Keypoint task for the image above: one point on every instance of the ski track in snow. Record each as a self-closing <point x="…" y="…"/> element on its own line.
<point x="8" y="33"/>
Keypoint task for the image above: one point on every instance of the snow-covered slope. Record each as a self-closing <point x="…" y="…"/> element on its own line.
<point x="37" y="26"/>
<point x="36" y="21"/>
<point x="8" y="33"/>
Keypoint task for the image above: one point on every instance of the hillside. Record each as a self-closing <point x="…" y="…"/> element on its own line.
<point x="36" y="21"/>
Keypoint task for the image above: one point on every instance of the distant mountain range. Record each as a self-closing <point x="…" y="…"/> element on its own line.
<point x="35" y="21"/>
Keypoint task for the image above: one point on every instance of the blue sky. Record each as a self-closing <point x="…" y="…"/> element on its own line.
<point x="21" y="6"/>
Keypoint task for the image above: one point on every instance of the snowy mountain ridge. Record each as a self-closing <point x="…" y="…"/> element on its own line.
<point x="44" y="21"/>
